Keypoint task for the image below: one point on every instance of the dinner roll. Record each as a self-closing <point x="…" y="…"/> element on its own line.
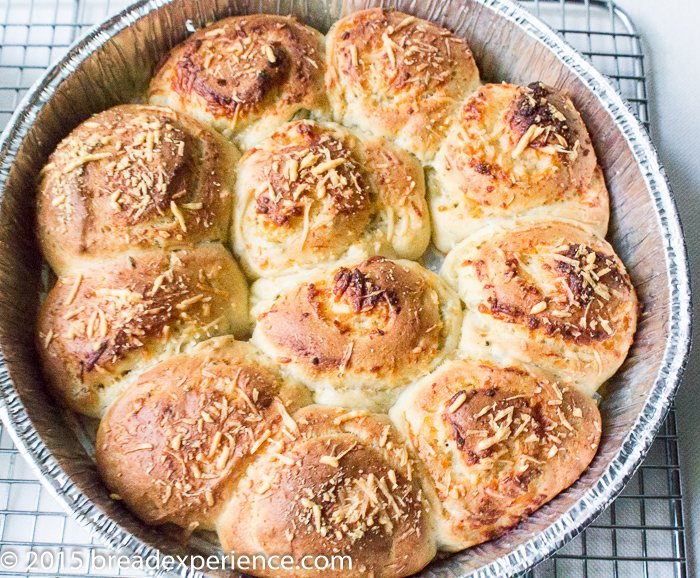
<point x="357" y="334"/>
<point x="498" y="443"/>
<point x="101" y="326"/>
<point x="548" y="294"/>
<point x="397" y="76"/>
<point x="313" y="193"/>
<point x="515" y="151"/>
<point x="174" y="444"/>
<point x="344" y="486"/>
<point x="245" y="75"/>
<point x="134" y="178"/>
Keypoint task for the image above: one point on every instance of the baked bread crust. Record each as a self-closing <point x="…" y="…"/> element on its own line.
<point x="101" y="326"/>
<point x="344" y="485"/>
<point x="245" y="75"/>
<point x="397" y="76"/>
<point x="315" y="193"/>
<point x="548" y="294"/>
<point x="515" y="151"/>
<point x="488" y="397"/>
<point x="174" y="445"/>
<point x="133" y="178"/>
<point x="497" y="442"/>
<point x="356" y="335"/>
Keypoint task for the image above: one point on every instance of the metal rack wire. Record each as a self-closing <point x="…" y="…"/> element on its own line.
<point x="640" y="535"/>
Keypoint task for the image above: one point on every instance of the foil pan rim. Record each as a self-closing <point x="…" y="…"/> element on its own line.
<point x="637" y="441"/>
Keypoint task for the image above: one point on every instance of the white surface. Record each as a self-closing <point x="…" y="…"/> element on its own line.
<point x="669" y="32"/>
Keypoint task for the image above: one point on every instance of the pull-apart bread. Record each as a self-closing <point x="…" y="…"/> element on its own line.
<point x="358" y="334"/>
<point x="515" y="152"/>
<point x="134" y="178"/>
<point x="245" y="76"/>
<point x="498" y="443"/>
<point x="313" y="193"/>
<point x="378" y="411"/>
<point x="101" y="326"/>
<point x="551" y="295"/>
<point x="398" y="76"/>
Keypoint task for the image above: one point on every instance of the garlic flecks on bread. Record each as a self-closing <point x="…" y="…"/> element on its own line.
<point x="245" y="76"/>
<point x="314" y="193"/>
<point x="515" y="152"/>
<point x="358" y="148"/>
<point x="498" y="442"/>
<point x="358" y="334"/>
<point x="134" y="178"/>
<point x="100" y="327"/>
<point x="398" y="76"/>
<point x="548" y="294"/>
<point x="175" y="444"/>
<point x="345" y="485"/>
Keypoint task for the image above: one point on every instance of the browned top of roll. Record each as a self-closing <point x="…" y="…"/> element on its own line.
<point x="304" y="162"/>
<point x="100" y="323"/>
<point x="267" y="52"/>
<point x="498" y="442"/>
<point x="555" y="279"/>
<point x="398" y="75"/>
<point x="375" y="318"/>
<point x="133" y="177"/>
<point x="244" y="68"/>
<point x="410" y="48"/>
<point x="312" y="192"/>
<point x="517" y="146"/>
<point x="345" y="485"/>
<point x="174" y="443"/>
<point x="396" y="177"/>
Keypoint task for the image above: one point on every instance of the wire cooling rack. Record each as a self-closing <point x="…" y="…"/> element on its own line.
<point x="640" y="535"/>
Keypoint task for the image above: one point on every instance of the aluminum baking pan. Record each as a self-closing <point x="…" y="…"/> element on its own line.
<point x="113" y="63"/>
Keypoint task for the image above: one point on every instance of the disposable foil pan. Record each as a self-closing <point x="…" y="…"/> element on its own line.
<point x="113" y="64"/>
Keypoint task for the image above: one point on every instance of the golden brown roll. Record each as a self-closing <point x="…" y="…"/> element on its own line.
<point x="245" y="75"/>
<point x="313" y="193"/>
<point x="358" y="334"/>
<point x="548" y="294"/>
<point x="397" y="76"/>
<point x="175" y="443"/>
<point x="516" y="151"/>
<point x="101" y="326"/>
<point x="498" y="443"/>
<point x="134" y="178"/>
<point x="344" y="486"/>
